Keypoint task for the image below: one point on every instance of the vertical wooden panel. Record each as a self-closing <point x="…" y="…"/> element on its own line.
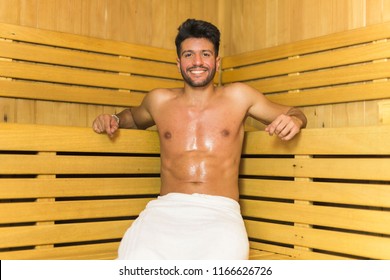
<point x="384" y="111"/>
<point x="28" y="12"/>
<point x="9" y="11"/>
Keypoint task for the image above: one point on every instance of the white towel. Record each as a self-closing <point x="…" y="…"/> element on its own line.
<point x="187" y="226"/>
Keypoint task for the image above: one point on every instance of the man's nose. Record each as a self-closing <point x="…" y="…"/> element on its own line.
<point x="198" y="59"/>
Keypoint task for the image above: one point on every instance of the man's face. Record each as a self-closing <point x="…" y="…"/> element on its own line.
<point x="197" y="62"/>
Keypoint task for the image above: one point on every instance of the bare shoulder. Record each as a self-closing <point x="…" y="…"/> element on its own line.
<point x="163" y="93"/>
<point x="242" y="92"/>
<point x="160" y="95"/>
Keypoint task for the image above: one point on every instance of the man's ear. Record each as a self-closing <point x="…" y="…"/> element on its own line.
<point x="178" y="64"/>
<point x="218" y="63"/>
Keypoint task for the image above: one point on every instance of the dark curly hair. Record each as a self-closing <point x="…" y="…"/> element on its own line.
<point x="193" y="28"/>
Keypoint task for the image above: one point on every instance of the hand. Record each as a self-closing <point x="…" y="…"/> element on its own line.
<point x="285" y="127"/>
<point x="105" y="123"/>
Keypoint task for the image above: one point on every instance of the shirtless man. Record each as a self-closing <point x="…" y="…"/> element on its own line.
<point x="201" y="131"/>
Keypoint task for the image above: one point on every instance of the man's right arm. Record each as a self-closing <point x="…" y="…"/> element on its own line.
<point x="131" y="118"/>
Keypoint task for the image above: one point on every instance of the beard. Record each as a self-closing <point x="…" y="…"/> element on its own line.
<point x="200" y="83"/>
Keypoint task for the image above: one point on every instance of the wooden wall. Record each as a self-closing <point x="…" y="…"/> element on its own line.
<point x="245" y="24"/>
<point x="148" y="22"/>
<point x="256" y="24"/>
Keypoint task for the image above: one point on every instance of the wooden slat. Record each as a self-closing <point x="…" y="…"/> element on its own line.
<point x="324" y="60"/>
<point x="65" y="233"/>
<point x="294" y="253"/>
<point x="68" y="93"/>
<point x="71" y="210"/>
<point x="42" y="164"/>
<point x="265" y="255"/>
<point x="360" y="220"/>
<point x="384" y="111"/>
<point x="76" y="139"/>
<point x="374" y="195"/>
<point x="105" y="251"/>
<point x="331" y="41"/>
<point x="74" y="187"/>
<point x="65" y="57"/>
<point x="359" y="169"/>
<point x="352" y="243"/>
<point x="79" y="42"/>
<point x="336" y="76"/>
<point x="332" y="141"/>
<point x="71" y="76"/>
<point x="332" y="95"/>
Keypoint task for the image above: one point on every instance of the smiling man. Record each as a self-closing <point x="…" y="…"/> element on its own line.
<point x="201" y="131"/>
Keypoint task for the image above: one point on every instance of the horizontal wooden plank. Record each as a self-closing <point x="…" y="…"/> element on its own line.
<point x="353" y="168"/>
<point x="315" y="61"/>
<point x="332" y="95"/>
<point x="77" y="187"/>
<point x="330" y="141"/>
<point x="71" y="210"/>
<point x="46" y="164"/>
<point x="333" y="76"/>
<point x="374" y="221"/>
<point x="365" y="246"/>
<point x="78" y="139"/>
<point x="68" y="93"/>
<point x="64" y="233"/>
<point x="295" y="253"/>
<point x="373" y="195"/>
<point x="105" y="251"/>
<point x="70" y="76"/>
<point x="266" y="255"/>
<point x="312" y="45"/>
<point x="65" y="57"/>
<point x="80" y="42"/>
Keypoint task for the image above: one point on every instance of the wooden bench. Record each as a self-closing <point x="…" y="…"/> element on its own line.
<point x="68" y="193"/>
<point x="324" y="195"/>
<point x="341" y="67"/>
<point x="53" y="71"/>
<point x="318" y="193"/>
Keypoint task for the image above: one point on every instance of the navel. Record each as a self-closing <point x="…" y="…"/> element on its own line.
<point x="167" y="135"/>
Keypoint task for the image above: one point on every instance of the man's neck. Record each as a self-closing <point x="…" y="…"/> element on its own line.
<point x="199" y="96"/>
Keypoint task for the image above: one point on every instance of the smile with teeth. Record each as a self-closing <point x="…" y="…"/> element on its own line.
<point x="197" y="71"/>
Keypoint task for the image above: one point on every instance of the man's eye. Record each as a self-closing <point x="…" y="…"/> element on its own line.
<point x="187" y="55"/>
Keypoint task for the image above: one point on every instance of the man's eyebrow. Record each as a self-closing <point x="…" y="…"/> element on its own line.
<point x="192" y="51"/>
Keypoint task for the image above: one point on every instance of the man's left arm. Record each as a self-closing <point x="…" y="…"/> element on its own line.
<point x="287" y="125"/>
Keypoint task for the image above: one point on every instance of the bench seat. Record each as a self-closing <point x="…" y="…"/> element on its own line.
<point x="74" y="199"/>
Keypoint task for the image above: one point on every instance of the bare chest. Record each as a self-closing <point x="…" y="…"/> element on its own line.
<point x="189" y="129"/>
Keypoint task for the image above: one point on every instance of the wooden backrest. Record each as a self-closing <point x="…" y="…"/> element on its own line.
<point x="340" y="67"/>
<point x="69" y="193"/>
<point x="324" y="195"/>
<point x="48" y="65"/>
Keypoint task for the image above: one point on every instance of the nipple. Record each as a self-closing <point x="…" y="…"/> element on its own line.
<point x="225" y="133"/>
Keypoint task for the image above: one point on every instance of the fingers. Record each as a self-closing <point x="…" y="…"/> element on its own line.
<point x="105" y="124"/>
<point x="285" y="127"/>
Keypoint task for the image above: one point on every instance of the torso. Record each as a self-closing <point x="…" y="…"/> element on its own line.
<point x="200" y="145"/>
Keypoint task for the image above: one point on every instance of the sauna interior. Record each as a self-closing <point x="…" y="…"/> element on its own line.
<point x="247" y="27"/>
